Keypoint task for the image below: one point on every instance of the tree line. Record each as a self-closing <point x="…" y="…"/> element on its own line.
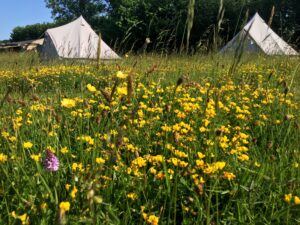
<point x="170" y="25"/>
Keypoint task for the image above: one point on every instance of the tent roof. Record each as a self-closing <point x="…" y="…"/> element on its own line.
<point x="263" y="36"/>
<point x="78" y="40"/>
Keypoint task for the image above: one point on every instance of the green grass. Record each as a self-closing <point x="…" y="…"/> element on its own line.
<point x="176" y="107"/>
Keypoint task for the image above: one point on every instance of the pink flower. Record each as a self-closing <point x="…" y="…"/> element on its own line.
<point x="51" y="162"/>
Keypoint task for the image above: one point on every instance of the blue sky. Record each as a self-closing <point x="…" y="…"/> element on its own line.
<point x="20" y="13"/>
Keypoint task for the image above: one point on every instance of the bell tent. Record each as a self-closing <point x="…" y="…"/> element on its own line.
<point x="75" y="40"/>
<point x="257" y="36"/>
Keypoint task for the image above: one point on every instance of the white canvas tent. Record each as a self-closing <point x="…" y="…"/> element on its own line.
<point x="257" y="36"/>
<point x="75" y="40"/>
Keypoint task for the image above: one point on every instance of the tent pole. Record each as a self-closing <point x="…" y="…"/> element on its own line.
<point x="99" y="51"/>
<point x="271" y="16"/>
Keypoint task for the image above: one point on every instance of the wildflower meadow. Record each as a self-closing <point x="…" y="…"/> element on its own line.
<point x="150" y="140"/>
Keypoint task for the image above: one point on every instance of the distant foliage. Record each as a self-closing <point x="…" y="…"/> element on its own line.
<point x="126" y="24"/>
<point x="66" y="10"/>
<point x="30" y="32"/>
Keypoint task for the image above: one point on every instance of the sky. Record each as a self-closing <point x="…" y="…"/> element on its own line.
<point x="15" y="13"/>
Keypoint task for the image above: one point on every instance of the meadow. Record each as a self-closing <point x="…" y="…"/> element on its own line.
<point x="150" y="139"/>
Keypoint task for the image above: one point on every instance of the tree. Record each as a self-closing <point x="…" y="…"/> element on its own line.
<point x="161" y="21"/>
<point x="30" y="32"/>
<point x="67" y="10"/>
<point x="130" y="22"/>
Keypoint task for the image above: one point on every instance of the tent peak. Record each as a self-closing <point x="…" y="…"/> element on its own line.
<point x="257" y="14"/>
<point x="258" y="17"/>
<point x="81" y="18"/>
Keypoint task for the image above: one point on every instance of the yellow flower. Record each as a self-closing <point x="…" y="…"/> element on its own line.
<point x="64" y="206"/>
<point x="145" y="216"/>
<point x="51" y="149"/>
<point x="3" y="157"/>
<point x="77" y="166"/>
<point x="229" y="176"/>
<point x="67" y="186"/>
<point x="132" y="196"/>
<point x="129" y="170"/>
<point x="243" y="157"/>
<point x="277" y="122"/>
<point x="13" y="214"/>
<point x="121" y="75"/>
<point x="139" y="161"/>
<point x="64" y="150"/>
<point x="153" y="170"/>
<point x="224" y="142"/>
<point x="52" y="134"/>
<point x="44" y="205"/>
<point x="202" y="129"/>
<point x="174" y="161"/>
<point x="12" y="138"/>
<point x="214" y="167"/>
<point x="87" y="139"/>
<point x="220" y="165"/>
<point x="91" y="88"/>
<point x="19" y="112"/>
<point x="27" y="145"/>
<point x="257" y="164"/>
<point x="4" y="134"/>
<point x="153" y="220"/>
<point x="24" y="218"/>
<point x="74" y="166"/>
<point x="68" y="103"/>
<point x="131" y="148"/>
<point x="122" y="90"/>
<point x="160" y="175"/>
<point x="297" y="200"/>
<point x="157" y="159"/>
<point x="170" y="171"/>
<point x="183" y="164"/>
<point x="200" y="155"/>
<point x="199" y="163"/>
<point x="113" y="132"/>
<point x="73" y="192"/>
<point x="35" y="157"/>
<point x="288" y="198"/>
<point x="100" y="160"/>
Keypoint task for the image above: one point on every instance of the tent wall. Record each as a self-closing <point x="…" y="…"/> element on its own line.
<point x="48" y="50"/>
<point x="249" y="45"/>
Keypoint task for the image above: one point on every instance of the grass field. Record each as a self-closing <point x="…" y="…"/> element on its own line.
<point x="150" y="140"/>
